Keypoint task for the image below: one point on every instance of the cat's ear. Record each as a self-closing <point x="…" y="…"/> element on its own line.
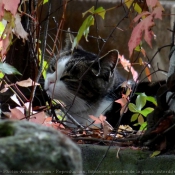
<point x="106" y="64"/>
<point x="109" y="60"/>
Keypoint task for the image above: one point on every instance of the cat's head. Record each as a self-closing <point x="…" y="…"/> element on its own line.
<point x="80" y="78"/>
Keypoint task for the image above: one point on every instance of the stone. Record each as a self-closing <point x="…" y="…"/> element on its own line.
<point x="28" y="148"/>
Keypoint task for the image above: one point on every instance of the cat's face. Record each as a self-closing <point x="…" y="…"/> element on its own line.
<point x="77" y="74"/>
<point x="80" y="79"/>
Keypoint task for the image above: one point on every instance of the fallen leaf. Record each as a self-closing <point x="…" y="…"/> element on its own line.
<point x="27" y="83"/>
<point x="38" y="118"/>
<point x="107" y="128"/>
<point x="17" y="114"/>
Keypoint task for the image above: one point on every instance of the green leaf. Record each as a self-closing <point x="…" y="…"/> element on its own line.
<point x="155" y="153"/>
<point x="134" y="117"/>
<point x="1" y="28"/>
<point x="151" y="99"/>
<point x="91" y="10"/>
<point x="100" y="11"/>
<point x="140" y="101"/>
<point x="137" y="8"/>
<point x="1" y="75"/>
<point x="45" y="1"/>
<point x="146" y="111"/>
<point x="8" y="69"/>
<point x="132" y="107"/>
<point x="143" y="126"/>
<point x="84" y="30"/>
<point x="45" y="65"/>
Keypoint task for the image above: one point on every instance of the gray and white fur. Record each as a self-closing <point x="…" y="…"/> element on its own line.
<point x="83" y="82"/>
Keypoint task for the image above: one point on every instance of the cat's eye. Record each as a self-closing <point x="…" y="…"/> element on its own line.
<point x="66" y="77"/>
<point x="52" y="68"/>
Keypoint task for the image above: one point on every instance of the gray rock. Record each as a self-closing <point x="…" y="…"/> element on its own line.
<point x="28" y="148"/>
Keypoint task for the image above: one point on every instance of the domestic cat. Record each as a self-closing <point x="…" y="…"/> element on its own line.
<point x="84" y="82"/>
<point x="89" y="85"/>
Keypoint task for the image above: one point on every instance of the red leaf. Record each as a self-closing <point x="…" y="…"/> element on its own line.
<point x="48" y="122"/>
<point x="157" y="12"/>
<point x="134" y="74"/>
<point x="124" y="62"/>
<point x="127" y="66"/>
<point x="1" y="10"/>
<point x="140" y="15"/>
<point x="38" y="118"/>
<point x="143" y="27"/>
<point x="11" y="5"/>
<point x="16" y="113"/>
<point x="123" y="101"/>
<point x="151" y="3"/>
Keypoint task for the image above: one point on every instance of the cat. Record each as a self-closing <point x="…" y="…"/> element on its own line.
<point x="88" y="85"/>
<point x="84" y="82"/>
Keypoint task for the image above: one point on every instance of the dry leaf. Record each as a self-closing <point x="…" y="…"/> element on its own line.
<point x="17" y="114"/>
<point x="27" y="83"/>
<point x="38" y="118"/>
<point x="107" y="128"/>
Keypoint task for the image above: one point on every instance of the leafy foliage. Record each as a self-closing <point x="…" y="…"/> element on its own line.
<point x="8" y="69"/>
<point x="139" y="110"/>
<point x="145" y="25"/>
<point x="89" y="21"/>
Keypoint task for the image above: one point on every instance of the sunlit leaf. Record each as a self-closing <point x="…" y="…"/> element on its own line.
<point x="100" y="11"/>
<point x="155" y="153"/>
<point x="143" y="126"/>
<point x="146" y="111"/>
<point x="138" y="48"/>
<point x="134" y="117"/>
<point x="140" y="101"/>
<point x="132" y="107"/>
<point x="84" y="30"/>
<point x="1" y="75"/>
<point x="8" y="69"/>
<point x="89" y="22"/>
<point x="1" y="28"/>
<point x="45" y="1"/>
<point x="128" y="3"/>
<point x="137" y="8"/>
<point x="45" y="65"/>
<point x="151" y="99"/>
<point x="91" y="10"/>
